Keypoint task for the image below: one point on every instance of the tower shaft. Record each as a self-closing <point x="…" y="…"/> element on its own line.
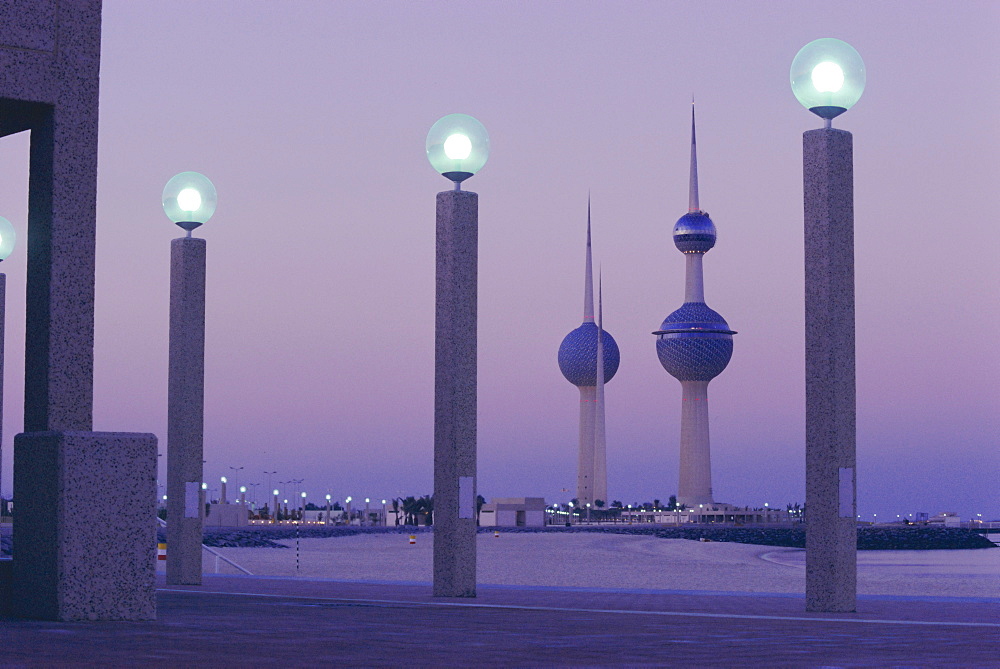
<point x="695" y="486"/>
<point x="694" y="280"/>
<point x="600" y="443"/>
<point x="585" y="461"/>
<point x="588" y="283"/>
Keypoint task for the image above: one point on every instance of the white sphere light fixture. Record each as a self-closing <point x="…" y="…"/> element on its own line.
<point x="7" y="238"/>
<point x="275" y="492"/>
<point x="189" y="200"/>
<point x="828" y="77"/>
<point x="458" y="147"/>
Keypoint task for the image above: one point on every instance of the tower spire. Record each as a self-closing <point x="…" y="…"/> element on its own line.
<point x="600" y="484"/>
<point x="693" y="189"/>
<point x="588" y="289"/>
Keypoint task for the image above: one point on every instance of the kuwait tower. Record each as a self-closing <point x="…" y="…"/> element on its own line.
<point x="694" y="345"/>
<point x="588" y="358"/>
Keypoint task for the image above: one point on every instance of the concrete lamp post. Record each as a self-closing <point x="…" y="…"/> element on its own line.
<point x="7" y="239"/>
<point x="274" y="506"/>
<point x="457" y="147"/>
<point x="189" y="200"/>
<point x="828" y="77"/>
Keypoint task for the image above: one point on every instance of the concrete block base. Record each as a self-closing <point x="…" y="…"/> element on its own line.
<point x="84" y="532"/>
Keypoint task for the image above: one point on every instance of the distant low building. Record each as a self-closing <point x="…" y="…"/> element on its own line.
<point x="946" y="518"/>
<point x="227" y="515"/>
<point x="513" y="512"/>
<point x="715" y="512"/>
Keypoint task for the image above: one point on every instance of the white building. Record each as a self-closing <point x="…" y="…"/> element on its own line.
<point x="513" y="512"/>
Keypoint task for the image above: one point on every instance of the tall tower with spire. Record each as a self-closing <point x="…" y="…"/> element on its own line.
<point x="588" y="358"/>
<point x="694" y="345"/>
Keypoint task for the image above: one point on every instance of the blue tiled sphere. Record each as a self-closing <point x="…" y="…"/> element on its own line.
<point x="578" y="356"/>
<point x="694" y="233"/>
<point x="699" y="344"/>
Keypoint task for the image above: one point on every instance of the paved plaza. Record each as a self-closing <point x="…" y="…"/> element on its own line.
<point x="261" y="621"/>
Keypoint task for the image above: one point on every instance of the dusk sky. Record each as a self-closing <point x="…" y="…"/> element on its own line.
<point x="310" y="118"/>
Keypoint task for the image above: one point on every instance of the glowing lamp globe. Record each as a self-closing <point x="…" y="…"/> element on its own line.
<point x="189" y="200"/>
<point x="828" y="77"/>
<point x="458" y="146"/>
<point x="7" y="238"/>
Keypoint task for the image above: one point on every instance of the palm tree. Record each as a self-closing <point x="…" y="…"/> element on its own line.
<point x="426" y="507"/>
<point x="410" y="509"/>
<point x="480" y="500"/>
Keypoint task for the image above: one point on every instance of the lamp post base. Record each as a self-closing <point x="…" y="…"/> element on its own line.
<point x="86" y="541"/>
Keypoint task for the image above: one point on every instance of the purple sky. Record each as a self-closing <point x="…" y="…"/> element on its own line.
<point x="310" y="118"/>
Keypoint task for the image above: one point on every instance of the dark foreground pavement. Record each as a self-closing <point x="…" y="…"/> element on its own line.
<point x="257" y="621"/>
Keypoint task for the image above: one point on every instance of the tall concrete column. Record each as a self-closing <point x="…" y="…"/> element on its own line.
<point x="85" y="543"/>
<point x="586" y="456"/>
<point x="185" y="411"/>
<point x="695" y="485"/>
<point x="3" y="331"/>
<point x="831" y="534"/>
<point x="455" y="395"/>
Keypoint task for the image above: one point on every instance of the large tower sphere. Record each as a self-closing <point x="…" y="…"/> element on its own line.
<point x="694" y="343"/>
<point x="578" y="356"/>
<point x="694" y="233"/>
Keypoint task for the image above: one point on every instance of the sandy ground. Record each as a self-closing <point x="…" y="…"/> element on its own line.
<point x="619" y="561"/>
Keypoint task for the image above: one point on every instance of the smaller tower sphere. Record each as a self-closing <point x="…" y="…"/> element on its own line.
<point x="694" y="233"/>
<point x="578" y="356"/>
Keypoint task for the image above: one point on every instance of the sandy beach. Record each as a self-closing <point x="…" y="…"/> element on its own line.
<point x="620" y="562"/>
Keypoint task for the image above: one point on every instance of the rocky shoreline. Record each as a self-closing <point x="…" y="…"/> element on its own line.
<point x="869" y="538"/>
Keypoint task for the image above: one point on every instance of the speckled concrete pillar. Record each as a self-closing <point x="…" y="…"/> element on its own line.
<point x="3" y="332"/>
<point x="455" y="395"/>
<point x="78" y="557"/>
<point x="831" y="534"/>
<point x="84" y="536"/>
<point x="185" y="411"/>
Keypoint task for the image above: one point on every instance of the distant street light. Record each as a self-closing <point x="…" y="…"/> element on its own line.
<point x="236" y="476"/>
